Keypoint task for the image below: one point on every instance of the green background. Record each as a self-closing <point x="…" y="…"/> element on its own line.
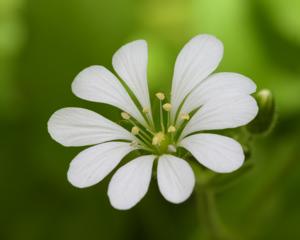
<point x="45" y="43"/>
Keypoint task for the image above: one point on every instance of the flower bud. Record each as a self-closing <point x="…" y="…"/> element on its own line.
<point x="266" y="114"/>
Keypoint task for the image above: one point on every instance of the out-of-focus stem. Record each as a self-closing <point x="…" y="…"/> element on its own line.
<point x="208" y="214"/>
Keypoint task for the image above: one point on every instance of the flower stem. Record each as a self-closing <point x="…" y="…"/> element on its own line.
<point x="209" y="218"/>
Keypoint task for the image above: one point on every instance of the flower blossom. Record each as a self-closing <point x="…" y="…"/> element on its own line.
<point x="200" y="100"/>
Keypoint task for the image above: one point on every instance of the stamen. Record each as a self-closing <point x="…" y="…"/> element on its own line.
<point x="134" y="143"/>
<point x="185" y="116"/>
<point x="160" y="96"/>
<point x="150" y="131"/>
<point x="158" y="138"/>
<point x="135" y="130"/>
<point x="140" y="145"/>
<point x="125" y="115"/>
<point x="146" y="110"/>
<point x="144" y="139"/>
<point x="167" y="107"/>
<point x="171" y="129"/>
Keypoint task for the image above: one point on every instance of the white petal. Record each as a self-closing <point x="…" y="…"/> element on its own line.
<point x="130" y="183"/>
<point x="198" y="58"/>
<point x="217" y="85"/>
<point x="218" y="153"/>
<point x="97" y="84"/>
<point x="130" y="62"/>
<point x="95" y="163"/>
<point x="176" y="179"/>
<point x="80" y="127"/>
<point x="223" y="112"/>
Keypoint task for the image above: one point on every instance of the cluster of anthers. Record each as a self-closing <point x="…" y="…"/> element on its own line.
<point x="153" y="139"/>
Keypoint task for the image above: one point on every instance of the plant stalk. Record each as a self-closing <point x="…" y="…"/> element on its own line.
<point x="212" y="226"/>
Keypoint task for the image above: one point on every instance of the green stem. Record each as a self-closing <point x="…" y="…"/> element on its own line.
<point x="209" y="218"/>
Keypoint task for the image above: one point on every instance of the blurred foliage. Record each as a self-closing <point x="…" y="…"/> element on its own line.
<point x="45" y="43"/>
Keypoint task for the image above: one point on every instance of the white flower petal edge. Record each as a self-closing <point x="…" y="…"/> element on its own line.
<point x="93" y="164"/>
<point x="218" y="153"/>
<point x="229" y="111"/>
<point x="131" y="182"/>
<point x="97" y="84"/>
<point x="81" y="127"/>
<point x="176" y="179"/>
<point x="216" y="85"/>
<point x="198" y="58"/>
<point x="130" y="62"/>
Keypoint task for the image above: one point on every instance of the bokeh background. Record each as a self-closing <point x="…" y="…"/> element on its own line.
<point x="45" y="43"/>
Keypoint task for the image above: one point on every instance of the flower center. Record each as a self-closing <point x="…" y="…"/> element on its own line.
<point x="160" y="141"/>
<point x="150" y="139"/>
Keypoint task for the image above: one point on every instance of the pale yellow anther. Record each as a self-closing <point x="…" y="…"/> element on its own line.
<point x="146" y="110"/>
<point x="125" y="115"/>
<point x="185" y="116"/>
<point x="135" y="130"/>
<point x="158" y="138"/>
<point x="167" y="107"/>
<point x="134" y="144"/>
<point x="171" y="129"/>
<point x="160" y="96"/>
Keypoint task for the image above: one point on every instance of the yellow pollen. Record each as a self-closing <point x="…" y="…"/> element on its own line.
<point x="167" y="107"/>
<point x="160" y="96"/>
<point x="185" y="116"/>
<point x="158" y="138"/>
<point x="171" y="129"/>
<point x="135" y="130"/>
<point x="125" y="115"/>
<point x="146" y="110"/>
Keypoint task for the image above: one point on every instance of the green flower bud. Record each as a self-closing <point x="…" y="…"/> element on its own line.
<point x="266" y="114"/>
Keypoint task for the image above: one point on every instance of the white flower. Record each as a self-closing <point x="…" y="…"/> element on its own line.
<point x="198" y="102"/>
